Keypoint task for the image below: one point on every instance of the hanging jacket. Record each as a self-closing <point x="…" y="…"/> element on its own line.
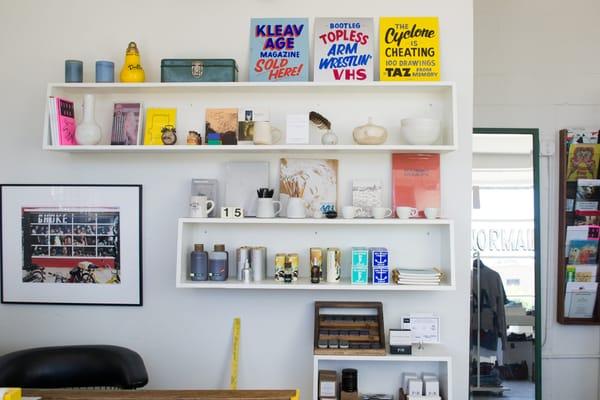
<point x="493" y="299"/>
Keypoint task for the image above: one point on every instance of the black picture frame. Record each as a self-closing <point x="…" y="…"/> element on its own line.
<point x="101" y="247"/>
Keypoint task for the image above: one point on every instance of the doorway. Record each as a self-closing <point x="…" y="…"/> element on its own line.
<point x="505" y="350"/>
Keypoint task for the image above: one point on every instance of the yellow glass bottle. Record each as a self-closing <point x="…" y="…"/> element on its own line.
<point x="132" y="70"/>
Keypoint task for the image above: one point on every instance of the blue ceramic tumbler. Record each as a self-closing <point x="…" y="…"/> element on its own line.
<point x="73" y="71"/>
<point x="105" y="71"/>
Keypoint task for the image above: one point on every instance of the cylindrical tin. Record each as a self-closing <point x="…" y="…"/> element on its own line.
<point x="294" y="259"/>
<point x="105" y="71"/>
<point x="242" y="255"/>
<point x="73" y="71"/>
<point x="279" y="266"/>
<point x="333" y="265"/>
<point x="258" y="261"/>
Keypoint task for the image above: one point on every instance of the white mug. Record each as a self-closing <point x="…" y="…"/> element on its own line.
<point x="406" y="212"/>
<point x="264" y="133"/>
<point x="296" y="208"/>
<point x="266" y="208"/>
<point x="349" y="212"/>
<point x="381" y="212"/>
<point x="200" y="206"/>
<point x="432" y="212"/>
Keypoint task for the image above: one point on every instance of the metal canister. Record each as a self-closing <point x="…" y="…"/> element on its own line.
<point x="294" y="259"/>
<point x="242" y="255"/>
<point x="279" y="266"/>
<point x="334" y="267"/>
<point x="258" y="261"/>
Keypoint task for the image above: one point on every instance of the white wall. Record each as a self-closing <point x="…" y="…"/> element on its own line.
<point x="536" y="66"/>
<point x="184" y="336"/>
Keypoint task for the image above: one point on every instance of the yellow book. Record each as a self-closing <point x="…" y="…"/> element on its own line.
<point x="409" y="49"/>
<point x="583" y="162"/>
<point x="156" y="119"/>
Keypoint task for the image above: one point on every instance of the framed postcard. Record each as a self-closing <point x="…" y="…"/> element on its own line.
<point x="127" y="124"/>
<point x="71" y="244"/>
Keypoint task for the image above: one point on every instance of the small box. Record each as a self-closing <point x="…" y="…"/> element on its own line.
<point x="348" y="395"/>
<point x="400" y="337"/>
<point x="379" y="263"/>
<point x="198" y="70"/>
<point x="402" y="350"/>
<point x="405" y="378"/>
<point x="432" y="387"/>
<point x="360" y="266"/>
<point x="328" y="387"/>
<point x="415" y="387"/>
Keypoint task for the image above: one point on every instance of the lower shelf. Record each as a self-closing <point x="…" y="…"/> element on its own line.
<point x="304" y="284"/>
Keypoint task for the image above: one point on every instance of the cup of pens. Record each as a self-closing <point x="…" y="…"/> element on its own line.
<point x="267" y="207"/>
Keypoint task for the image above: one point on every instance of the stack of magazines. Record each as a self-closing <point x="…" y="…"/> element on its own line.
<point x="417" y="276"/>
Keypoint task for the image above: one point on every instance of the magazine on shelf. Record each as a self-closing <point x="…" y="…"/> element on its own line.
<point x="583" y="252"/>
<point x="586" y="218"/>
<point x="416" y="181"/>
<point x="582" y="135"/>
<point x="581" y="232"/>
<point x="580" y="299"/>
<point x="62" y="121"/>
<point x="588" y="195"/>
<point x="582" y="162"/>
<point x="582" y="273"/>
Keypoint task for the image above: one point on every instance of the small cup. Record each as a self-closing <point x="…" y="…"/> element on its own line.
<point x="432" y="212"/>
<point x="200" y="206"/>
<point x="381" y="212"/>
<point x="349" y="212"/>
<point x="406" y="212"/>
<point x="73" y="71"/>
<point x="105" y="71"/>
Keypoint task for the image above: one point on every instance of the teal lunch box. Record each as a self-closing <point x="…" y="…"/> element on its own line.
<point x="198" y="70"/>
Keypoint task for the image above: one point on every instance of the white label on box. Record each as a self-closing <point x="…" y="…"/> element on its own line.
<point x="297" y="129"/>
<point x="328" y="389"/>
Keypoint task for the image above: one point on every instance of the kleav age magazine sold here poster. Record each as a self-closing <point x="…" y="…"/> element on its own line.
<point x="409" y="49"/>
<point x="278" y="49"/>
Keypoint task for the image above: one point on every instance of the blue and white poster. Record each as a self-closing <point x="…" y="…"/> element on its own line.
<point x="343" y="49"/>
<point x="278" y="49"/>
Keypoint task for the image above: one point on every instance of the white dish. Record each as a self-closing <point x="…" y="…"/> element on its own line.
<point x="420" y="131"/>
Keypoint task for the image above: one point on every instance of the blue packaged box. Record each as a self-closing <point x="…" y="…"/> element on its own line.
<point x="379" y="257"/>
<point x="360" y="266"/>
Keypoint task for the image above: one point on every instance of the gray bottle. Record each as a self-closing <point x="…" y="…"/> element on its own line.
<point x="199" y="263"/>
<point x="218" y="263"/>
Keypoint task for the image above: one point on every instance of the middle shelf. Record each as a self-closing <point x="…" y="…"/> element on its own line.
<point x="412" y="243"/>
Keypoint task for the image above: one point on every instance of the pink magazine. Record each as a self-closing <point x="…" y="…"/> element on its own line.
<point x="65" y="111"/>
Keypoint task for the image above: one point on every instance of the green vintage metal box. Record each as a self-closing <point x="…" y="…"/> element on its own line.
<point x="198" y="70"/>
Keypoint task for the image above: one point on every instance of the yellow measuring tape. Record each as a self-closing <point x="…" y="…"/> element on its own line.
<point x="235" y="354"/>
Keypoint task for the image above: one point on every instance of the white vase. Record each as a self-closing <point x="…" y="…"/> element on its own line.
<point x="88" y="132"/>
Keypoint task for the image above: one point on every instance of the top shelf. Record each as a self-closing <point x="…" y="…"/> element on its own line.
<point x="194" y="86"/>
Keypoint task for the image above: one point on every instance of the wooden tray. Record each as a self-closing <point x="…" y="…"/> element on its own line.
<point x="359" y="329"/>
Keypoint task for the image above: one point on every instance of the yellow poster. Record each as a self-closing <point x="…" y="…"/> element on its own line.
<point x="409" y="49"/>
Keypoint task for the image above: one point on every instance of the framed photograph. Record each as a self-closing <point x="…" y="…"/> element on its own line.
<point x="71" y="244"/>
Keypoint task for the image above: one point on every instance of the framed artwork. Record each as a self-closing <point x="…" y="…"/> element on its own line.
<point x="71" y="244"/>
<point x="313" y="180"/>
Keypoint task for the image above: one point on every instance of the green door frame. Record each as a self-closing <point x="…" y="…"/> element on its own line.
<point x="535" y="133"/>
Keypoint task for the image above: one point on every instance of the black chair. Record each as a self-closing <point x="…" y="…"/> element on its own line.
<point x="73" y="367"/>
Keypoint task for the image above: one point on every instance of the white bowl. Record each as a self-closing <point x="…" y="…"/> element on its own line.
<point x="420" y="131"/>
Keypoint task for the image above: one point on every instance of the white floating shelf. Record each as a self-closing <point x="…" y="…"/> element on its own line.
<point x="346" y="104"/>
<point x="282" y="148"/>
<point x="411" y="242"/>
<point x="304" y="284"/>
<point x="317" y="221"/>
<point x="429" y="353"/>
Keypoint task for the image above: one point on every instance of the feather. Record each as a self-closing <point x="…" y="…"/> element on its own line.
<point x="320" y="121"/>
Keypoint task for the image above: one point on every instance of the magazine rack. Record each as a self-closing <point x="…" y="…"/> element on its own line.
<point x="565" y="218"/>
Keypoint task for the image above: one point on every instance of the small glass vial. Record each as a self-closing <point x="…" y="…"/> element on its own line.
<point x="288" y="273"/>
<point x="315" y="272"/>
